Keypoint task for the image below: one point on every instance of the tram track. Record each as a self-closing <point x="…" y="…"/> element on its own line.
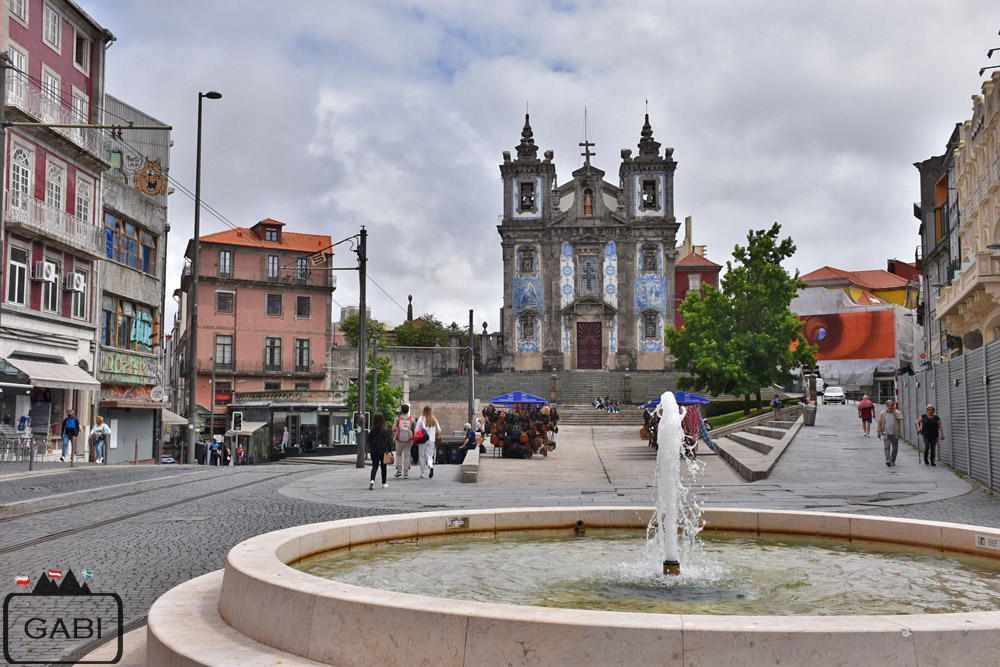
<point x="131" y="515"/>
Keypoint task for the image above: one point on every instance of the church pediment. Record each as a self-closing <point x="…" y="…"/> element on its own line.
<point x="589" y="304"/>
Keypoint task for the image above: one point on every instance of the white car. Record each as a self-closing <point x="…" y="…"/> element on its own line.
<point x="834" y="395"/>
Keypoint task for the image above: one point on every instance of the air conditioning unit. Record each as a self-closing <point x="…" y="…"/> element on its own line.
<point x="75" y="282"/>
<point x="45" y="272"/>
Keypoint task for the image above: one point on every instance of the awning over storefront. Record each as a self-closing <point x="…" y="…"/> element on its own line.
<point x="132" y="403"/>
<point x="248" y="428"/>
<point x="172" y="418"/>
<point x="56" y="376"/>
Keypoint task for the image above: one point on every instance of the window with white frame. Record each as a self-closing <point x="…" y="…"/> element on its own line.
<point x="272" y="267"/>
<point x="50" y="292"/>
<point x="80" y="298"/>
<point x="81" y="51"/>
<point x="19" y="10"/>
<point x="223" y="351"/>
<point x="694" y="281"/>
<point x="84" y="200"/>
<point x="17" y="276"/>
<point x="301" y="269"/>
<point x="51" y="26"/>
<point x="272" y="354"/>
<point x="17" y="76"/>
<point x="50" y="95"/>
<point x="55" y="187"/>
<point x="20" y="178"/>
<point x="81" y="113"/>
<point x="301" y="354"/>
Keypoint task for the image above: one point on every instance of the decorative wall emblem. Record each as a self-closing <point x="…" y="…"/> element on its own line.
<point x="566" y="276"/>
<point x="150" y="179"/>
<point x="528" y="295"/>
<point x="611" y="275"/>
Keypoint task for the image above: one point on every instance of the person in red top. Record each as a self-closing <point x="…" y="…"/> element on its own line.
<point x="866" y="410"/>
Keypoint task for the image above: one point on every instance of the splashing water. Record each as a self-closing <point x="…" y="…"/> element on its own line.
<point x="676" y="505"/>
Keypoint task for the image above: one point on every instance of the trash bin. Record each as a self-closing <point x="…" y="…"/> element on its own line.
<point x="809" y="415"/>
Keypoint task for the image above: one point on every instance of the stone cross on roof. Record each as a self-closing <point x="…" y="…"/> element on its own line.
<point x="586" y="152"/>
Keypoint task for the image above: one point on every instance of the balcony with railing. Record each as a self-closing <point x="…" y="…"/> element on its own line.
<point x="283" y="276"/>
<point x="35" y="216"/>
<point x="38" y="106"/>
<point x="983" y="273"/>
<point x="310" y="369"/>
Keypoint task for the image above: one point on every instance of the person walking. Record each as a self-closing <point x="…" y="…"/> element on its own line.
<point x="70" y="429"/>
<point x="402" y="436"/>
<point x="889" y="426"/>
<point x="775" y="406"/>
<point x="429" y="425"/>
<point x="100" y="433"/>
<point x="930" y="426"/>
<point x="380" y="449"/>
<point x="866" y="410"/>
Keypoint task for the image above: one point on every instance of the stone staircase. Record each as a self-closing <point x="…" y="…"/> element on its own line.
<point x="587" y="415"/>
<point x="753" y="447"/>
<point x="575" y="387"/>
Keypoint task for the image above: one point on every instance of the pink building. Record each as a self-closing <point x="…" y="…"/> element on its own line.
<point x="264" y="330"/>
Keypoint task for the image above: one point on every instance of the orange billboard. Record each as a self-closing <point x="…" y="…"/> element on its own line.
<point x="863" y="335"/>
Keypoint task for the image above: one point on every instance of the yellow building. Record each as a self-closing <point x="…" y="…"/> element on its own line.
<point x="969" y="306"/>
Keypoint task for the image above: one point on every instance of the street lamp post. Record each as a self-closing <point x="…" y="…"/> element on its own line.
<point x="193" y="300"/>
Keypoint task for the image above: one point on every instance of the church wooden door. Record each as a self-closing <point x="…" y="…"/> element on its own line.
<point x="588" y="345"/>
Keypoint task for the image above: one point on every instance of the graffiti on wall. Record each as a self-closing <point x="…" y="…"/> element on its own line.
<point x="129" y="368"/>
<point x="149" y="179"/>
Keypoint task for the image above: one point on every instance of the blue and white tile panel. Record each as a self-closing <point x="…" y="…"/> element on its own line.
<point x="611" y="275"/>
<point x="650" y="294"/>
<point x="566" y="275"/>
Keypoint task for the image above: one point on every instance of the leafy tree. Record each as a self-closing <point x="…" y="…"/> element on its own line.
<point x="351" y="325"/>
<point x="744" y="337"/>
<point x="389" y="397"/>
<point x="416" y="334"/>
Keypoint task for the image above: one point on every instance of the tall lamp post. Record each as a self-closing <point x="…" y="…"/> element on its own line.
<point x="195" y="270"/>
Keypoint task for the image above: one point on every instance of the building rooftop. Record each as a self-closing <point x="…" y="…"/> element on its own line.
<point x="310" y="243"/>
<point x="695" y="260"/>
<point x="878" y="279"/>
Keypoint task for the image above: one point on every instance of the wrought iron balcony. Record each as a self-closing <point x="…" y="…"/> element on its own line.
<point x="41" y="219"/>
<point x="23" y="95"/>
<point x="284" y="275"/>
<point x="312" y="369"/>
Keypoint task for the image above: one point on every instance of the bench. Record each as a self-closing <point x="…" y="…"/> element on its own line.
<point x="470" y="466"/>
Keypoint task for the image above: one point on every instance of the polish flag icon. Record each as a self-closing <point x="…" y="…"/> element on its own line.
<point x="22" y="581"/>
<point x="55" y="574"/>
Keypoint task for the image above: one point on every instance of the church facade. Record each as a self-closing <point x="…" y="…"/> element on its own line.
<point x="588" y="265"/>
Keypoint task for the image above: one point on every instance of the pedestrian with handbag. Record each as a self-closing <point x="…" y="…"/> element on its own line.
<point x="100" y="433"/>
<point x="432" y="429"/>
<point x="380" y="449"/>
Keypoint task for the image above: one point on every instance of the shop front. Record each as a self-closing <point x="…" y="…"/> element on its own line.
<point x="54" y="388"/>
<point x="303" y="421"/>
<point x="131" y="399"/>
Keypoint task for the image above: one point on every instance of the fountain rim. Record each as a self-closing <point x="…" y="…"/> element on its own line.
<point x="264" y="560"/>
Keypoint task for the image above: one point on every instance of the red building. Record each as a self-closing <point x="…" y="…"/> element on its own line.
<point x="52" y="234"/>
<point x="264" y="330"/>
<point x="691" y="272"/>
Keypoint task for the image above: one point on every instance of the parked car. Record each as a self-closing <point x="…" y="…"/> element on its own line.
<point x="834" y="395"/>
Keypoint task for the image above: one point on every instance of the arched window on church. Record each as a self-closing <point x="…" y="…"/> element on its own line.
<point x="649" y="194"/>
<point x="526" y="265"/>
<point x="588" y="202"/>
<point x="527" y="198"/>
<point x="650" y="320"/>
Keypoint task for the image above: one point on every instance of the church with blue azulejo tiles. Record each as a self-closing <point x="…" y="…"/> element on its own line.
<point x="588" y="266"/>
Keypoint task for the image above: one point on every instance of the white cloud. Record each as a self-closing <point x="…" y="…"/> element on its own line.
<point x="394" y="115"/>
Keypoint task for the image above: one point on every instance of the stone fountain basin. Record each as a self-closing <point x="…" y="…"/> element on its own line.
<point x="265" y="610"/>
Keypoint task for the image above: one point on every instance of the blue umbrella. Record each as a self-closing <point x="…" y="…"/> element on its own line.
<point x="682" y="397"/>
<point x="517" y="397"/>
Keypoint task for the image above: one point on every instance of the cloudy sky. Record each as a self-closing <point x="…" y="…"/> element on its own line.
<point x="393" y="115"/>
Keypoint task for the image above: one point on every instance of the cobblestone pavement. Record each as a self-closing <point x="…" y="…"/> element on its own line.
<point x="142" y="557"/>
<point x="179" y="535"/>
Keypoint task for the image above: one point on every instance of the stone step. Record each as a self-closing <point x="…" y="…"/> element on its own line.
<point x="744" y="460"/>
<point x="781" y="424"/>
<point x="760" y="443"/>
<point x="768" y="431"/>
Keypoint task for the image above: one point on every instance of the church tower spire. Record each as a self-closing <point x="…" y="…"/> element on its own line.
<point x="527" y="151"/>
<point x="648" y="147"/>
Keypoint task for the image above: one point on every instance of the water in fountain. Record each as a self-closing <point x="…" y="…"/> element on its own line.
<point x="676" y="506"/>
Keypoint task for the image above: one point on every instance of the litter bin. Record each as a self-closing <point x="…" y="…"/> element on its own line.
<point x="809" y="415"/>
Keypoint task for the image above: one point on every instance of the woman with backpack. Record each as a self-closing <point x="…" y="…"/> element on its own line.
<point x="402" y="435"/>
<point x="432" y="429"/>
<point x="70" y="429"/>
<point x="379" y="448"/>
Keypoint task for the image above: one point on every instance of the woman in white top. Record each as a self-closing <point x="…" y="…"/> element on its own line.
<point x="429" y="425"/>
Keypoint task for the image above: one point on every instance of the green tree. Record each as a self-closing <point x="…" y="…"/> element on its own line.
<point x="351" y="325"/>
<point x="389" y="397"/>
<point x="413" y="334"/>
<point x="744" y="337"/>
